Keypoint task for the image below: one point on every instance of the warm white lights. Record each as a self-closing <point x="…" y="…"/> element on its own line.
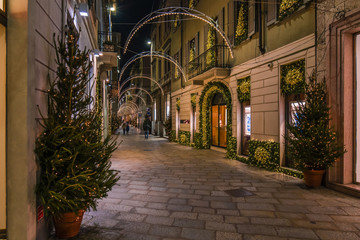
<point x="179" y="11"/>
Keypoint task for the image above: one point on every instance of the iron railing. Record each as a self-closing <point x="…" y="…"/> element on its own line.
<point x="215" y="57"/>
<point x="109" y="42"/>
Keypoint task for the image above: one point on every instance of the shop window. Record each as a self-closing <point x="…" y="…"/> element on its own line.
<point x="167" y="112"/>
<point x="155" y="111"/>
<point x="246" y="127"/>
<point x="357" y="104"/>
<point x="292" y="104"/>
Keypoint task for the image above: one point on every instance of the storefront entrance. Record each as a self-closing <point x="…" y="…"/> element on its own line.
<point x="218" y="121"/>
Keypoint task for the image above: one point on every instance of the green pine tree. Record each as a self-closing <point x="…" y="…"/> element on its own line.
<point x="311" y="142"/>
<point x="74" y="160"/>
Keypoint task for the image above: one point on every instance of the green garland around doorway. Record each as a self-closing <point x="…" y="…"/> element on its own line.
<point x="205" y="108"/>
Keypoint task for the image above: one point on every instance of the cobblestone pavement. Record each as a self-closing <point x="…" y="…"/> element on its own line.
<point x="168" y="191"/>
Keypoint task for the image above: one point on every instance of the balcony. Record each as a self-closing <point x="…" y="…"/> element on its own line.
<point x="109" y="45"/>
<point x="212" y="64"/>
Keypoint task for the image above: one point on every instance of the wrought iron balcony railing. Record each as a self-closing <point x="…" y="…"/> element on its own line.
<point x="215" y="57"/>
<point x="109" y="42"/>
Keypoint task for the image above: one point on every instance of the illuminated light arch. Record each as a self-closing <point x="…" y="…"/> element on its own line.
<point x="130" y="104"/>
<point x="134" y="108"/>
<point x="140" y="77"/>
<point x="122" y="93"/>
<point x="179" y="11"/>
<point x="138" y="96"/>
<point x="152" y="54"/>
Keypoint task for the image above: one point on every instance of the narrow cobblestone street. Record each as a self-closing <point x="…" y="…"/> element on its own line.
<point x="169" y="191"/>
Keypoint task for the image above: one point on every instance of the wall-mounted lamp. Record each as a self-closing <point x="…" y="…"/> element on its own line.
<point x="83" y="9"/>
<point x="113" y="7"/>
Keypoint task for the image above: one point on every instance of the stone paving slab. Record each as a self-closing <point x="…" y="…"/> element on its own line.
<point x="171" y="192"/>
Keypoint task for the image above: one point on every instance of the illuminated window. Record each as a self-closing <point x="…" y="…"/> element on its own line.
<point x="247" y="121"/>
<point x="2" y="5"/>
<point x="294" y="106"/>
<point x="154" y="111"/>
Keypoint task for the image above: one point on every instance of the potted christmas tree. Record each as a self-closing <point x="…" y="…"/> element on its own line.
<point x="72" y="155"/>
<point x="311" y="142"/>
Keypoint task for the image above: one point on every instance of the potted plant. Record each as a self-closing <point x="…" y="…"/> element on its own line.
<point x="311" y="141"/>
<point x="72" y="155"/>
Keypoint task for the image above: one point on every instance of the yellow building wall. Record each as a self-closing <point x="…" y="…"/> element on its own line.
<point x="2" y="127"/>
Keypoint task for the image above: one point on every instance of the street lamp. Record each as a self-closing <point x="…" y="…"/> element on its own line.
<point x="151" y="50"/>
<point x="111" y="9"/>
<point x="83" y="9"/>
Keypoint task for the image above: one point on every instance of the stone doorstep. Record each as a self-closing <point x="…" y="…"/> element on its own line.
<point x="349" y="189"/>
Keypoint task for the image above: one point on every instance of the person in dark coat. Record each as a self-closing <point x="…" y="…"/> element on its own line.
<point x="127" y="128"/>
<point x="147" y="126"/>
<point x="124" y="128"/>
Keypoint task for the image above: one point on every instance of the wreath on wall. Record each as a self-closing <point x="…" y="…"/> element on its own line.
<point x="288" y="7"/>
<point x="210" y="54"/>
<point x="243" y="89"/>
<point x="241" y="32"/>
<point x="205" y="108"/>
<point x="193" y="100"/>
<point x="292" y="78"/>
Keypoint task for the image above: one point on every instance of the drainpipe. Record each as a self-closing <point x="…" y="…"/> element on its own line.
<point x="63" y="17"/>
<point x="261" y="19"/>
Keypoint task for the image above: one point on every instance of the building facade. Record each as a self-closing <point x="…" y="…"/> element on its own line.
<point x="227" y="100"/>
<point x="338" y="51"/>
<point x="27" y="62"/>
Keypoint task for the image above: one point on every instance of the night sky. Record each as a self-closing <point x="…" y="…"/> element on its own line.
<point x="128" y="13"/>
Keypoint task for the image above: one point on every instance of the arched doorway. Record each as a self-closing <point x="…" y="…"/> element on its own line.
<point x="215" y="94"/>
<point x="218" y="121"/>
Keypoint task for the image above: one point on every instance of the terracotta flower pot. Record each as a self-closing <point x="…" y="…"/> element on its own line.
<point x="67" y="225"/>
<point x="313" y="178"/>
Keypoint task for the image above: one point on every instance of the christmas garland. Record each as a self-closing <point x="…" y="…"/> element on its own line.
<point x="210" y="54"/>
<point x="205" y="105"/>
<point x="193" y="100"/>
<point x="178" y="104"/>
<point x="243" y="89"/>
<point x="241" y="32"/>
<point x="184" y="137"/>
<point x="176" y="21"/>
<point x="264" y="154"/>
<point x="292" y="78"/>
<point x="288" y="7"/>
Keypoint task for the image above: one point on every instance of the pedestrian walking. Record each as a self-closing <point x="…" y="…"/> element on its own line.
<point x="127" y="128"/>
<point x="147" y="126"/>
<point x="124" y="128"/>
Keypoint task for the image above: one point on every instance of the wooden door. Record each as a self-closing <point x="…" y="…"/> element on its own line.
<point x="215" y="125"/>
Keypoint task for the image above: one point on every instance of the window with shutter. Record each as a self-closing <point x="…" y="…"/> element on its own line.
<point x="251" y="17"/>
<point x="206" y="32"/>
<point x="231" y="15"/>
<point x="220" y="22"/>
<point x="196" y="45"/>
<point x="272" y="6"/>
